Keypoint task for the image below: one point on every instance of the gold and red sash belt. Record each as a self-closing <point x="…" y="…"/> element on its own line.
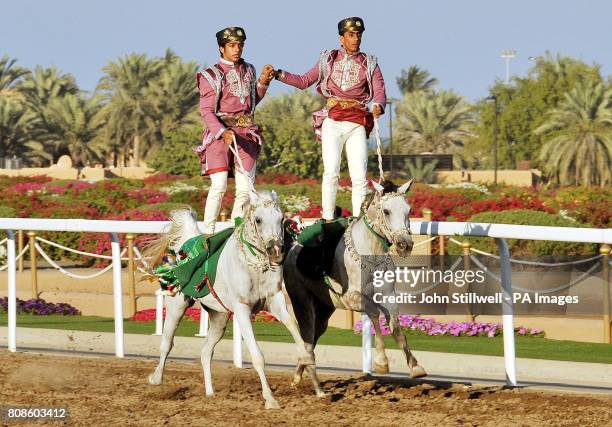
<point x="343" y="104"/>
<point x="242" y="121"/>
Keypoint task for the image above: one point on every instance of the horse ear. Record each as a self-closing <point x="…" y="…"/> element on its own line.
<point x="404" y="188"/>
<point x="253" y="197"/>
<point x="274" y="196"/>
<point x="379" y="188"/>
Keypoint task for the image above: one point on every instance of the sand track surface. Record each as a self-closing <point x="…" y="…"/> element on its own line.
<point x="109" y="391"/>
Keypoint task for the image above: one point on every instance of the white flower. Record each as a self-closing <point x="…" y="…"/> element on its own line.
<point x="179" y="187"/>
<point x="469" y="186"/>
<point x="295" y="203"/>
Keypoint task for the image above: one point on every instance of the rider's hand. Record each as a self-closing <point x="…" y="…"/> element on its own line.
<point x="267" y="74"/>
<point x="377" y="111"/>
<point x="228" y="137"/>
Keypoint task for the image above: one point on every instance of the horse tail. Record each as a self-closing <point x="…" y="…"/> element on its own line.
<point x="182" y="221"/>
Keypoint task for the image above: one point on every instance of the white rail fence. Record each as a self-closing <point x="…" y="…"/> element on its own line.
<point x="500" y="232"/>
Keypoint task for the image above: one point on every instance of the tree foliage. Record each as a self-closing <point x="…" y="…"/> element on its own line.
<point x="578" y="135"/>
<point x="436" y="122"/>
<point x="175" y="154"/>
<point x="522" y="107"/>
<point x="289" y="140"/>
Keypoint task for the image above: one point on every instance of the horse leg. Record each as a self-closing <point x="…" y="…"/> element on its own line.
<point x="175" y="309"/>
<point x="217" y="323"/>
<point x="358" y="302"/>
<point x="278" y="308"/>
<point x="379" y="361"/>
<point x="243" y="315"/>
<point x="305" y="313"/>
<point x="416" y="370"/>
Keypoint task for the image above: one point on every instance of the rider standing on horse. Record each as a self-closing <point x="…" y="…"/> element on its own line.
<point x="349" y="80"/>
<point x="229" y="93"/>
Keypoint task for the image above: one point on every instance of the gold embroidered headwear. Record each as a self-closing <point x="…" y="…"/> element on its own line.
<point x="230" y="34"/>
<point x="351" y="24"/>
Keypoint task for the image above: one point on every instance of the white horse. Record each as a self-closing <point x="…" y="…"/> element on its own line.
<point x="384" y="217"/>
<point x="248" y="279"/>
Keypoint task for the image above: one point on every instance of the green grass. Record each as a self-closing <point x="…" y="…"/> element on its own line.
<point x="528" y="347"/>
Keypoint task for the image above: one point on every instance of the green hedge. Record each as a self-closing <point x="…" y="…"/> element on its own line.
<point x="520" y="247"/>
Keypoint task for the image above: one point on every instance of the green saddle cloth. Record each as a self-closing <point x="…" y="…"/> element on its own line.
<point x="197" y="266"/>
<point x="319" y="242"/>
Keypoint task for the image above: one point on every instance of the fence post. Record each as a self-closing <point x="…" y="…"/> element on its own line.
<point x="12" y="291"/>
<point x="507" y="312"/>
<point x="604" y="250"/>
<point x="33" y="267"/>
<point x="223" y="215"/>
<point x="427" y="217"/>
<point x="366" y="343"/>
<point x="465" y="247"/>
<point x="237" y="339"/>
<point x="131" y="273"/>
<point x="117" y="294"/>
<point x="19" y="249"/>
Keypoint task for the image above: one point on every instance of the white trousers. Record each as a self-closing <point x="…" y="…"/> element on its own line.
<point x="334" y="135"/>
<point x="218" y="185"/>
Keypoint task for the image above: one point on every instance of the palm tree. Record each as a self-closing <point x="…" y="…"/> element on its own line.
<point x="9" y="76"/>
<point x="436" y="122"/>
<point x="415" y="79"/>
<point x="425" y="173"/>
<point x="13" y="127"/>
<point x="72" y="126"/>
<point x="579" y="132"/>
<point x="130" y="113"/>
<point x="174" y="97"/>
<point x="45" y="84"/>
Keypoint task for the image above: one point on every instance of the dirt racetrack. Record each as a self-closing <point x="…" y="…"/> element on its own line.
<point x="108" y="391"/>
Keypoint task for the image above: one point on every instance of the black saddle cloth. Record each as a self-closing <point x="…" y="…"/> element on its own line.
<point x="319" y="242"/>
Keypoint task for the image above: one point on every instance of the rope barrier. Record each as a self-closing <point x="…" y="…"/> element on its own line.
<point x="67" y="249"/>
<point x="424" y="241"/>
<point x="23" y="251"/>
<point x="533" y="291"/>
<point x="378" y="152"/>
<point x="523" y="262"/>
<point x="69" y="274"/>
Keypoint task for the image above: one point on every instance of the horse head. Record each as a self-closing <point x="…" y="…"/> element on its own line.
<point x="389" y="214"/>
<point x="265" y="221"/>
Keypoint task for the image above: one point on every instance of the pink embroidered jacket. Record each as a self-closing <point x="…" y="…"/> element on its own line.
<point x="227" y="90"/>
<point x="340" y="75"/>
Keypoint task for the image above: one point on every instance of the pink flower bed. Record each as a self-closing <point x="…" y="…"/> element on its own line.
<point x="430" y="327"/>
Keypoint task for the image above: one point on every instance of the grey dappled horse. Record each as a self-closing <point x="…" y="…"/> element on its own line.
<point x="246" y="282"/>
<point x="387" y="211"/>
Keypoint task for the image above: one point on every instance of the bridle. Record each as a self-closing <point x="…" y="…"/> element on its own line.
<point x="260" y="258"/>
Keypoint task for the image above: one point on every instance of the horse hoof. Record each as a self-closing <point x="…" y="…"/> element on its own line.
<point x="154" y="379"/>
<point x="296" y="381"/>
<point x="381" y="369"/>
<point x="417" y="372"/>
<point x="272" y="404"/>
<point x="321" y="394"/>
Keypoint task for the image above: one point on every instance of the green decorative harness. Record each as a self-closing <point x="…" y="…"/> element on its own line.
<point x="194" y="269"/>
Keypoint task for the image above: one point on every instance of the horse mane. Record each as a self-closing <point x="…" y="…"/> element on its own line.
<point x="155" y="249"/>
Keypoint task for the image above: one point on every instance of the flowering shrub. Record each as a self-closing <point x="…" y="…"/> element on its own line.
<point x="161" y="177"/>
<point x="429" y="326"/>
<point x="285" y="179"/>
<point x="314" y="211"/>
<point x="40" y="307"/>
<point x="149" y="195"/>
